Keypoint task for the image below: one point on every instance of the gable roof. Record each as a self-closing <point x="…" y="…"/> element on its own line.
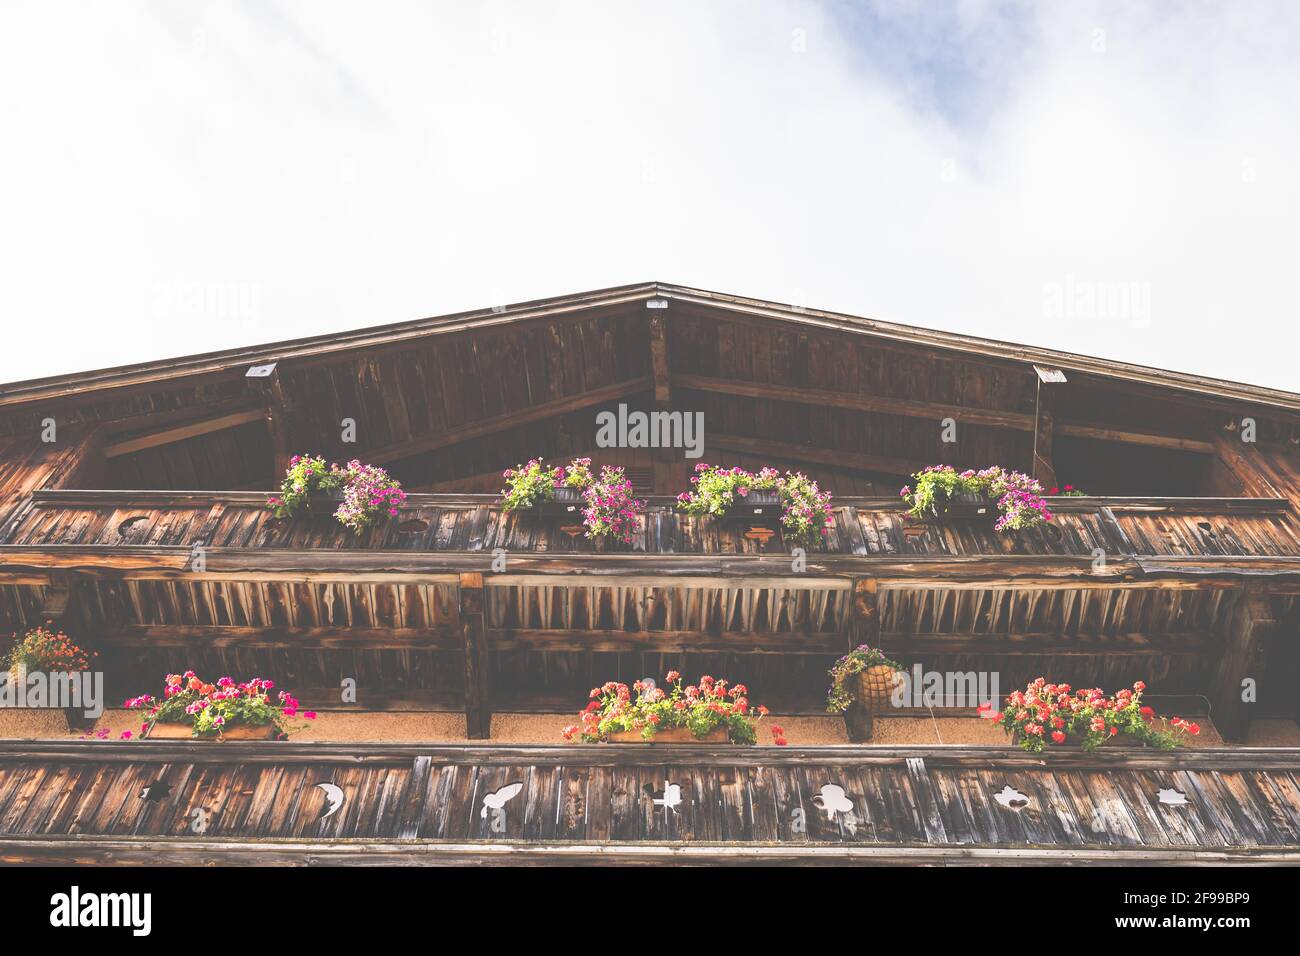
<point x="146" y="373"/>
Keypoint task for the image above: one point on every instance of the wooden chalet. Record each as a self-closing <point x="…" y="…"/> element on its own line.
<point x="1181" y="568"/>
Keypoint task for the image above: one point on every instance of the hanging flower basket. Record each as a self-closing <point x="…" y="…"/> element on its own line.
<point x="874" y="688"/>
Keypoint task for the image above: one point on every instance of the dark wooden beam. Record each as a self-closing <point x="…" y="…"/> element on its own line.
<point x="826" y="398"/>
<point x="177" y="433"/>
<point x="513" y="419"/>
<point x="284" y="638"/>
<point x="659" y="356"/>
<point x="1192" y="644"/>
<point x="1249" y="623"/>
<point x="478" y="710"/>
<point x="1004" y="571"/>
<point x="665" y="642"/>
<point x="663" y="396"/>
<point x="933" y="411"/>
<point x="1173" y="442"/>
<point x="1041" y="467"/>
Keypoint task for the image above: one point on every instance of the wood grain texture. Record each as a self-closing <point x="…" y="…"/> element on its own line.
<point x="83" y="802"/>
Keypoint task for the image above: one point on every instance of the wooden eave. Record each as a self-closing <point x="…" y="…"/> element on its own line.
<point x="322" y="347"/>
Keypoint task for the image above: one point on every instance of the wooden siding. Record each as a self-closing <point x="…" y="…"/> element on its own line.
<point x="57" y="798"/>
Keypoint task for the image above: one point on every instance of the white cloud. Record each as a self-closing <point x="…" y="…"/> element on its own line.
<point x="179" y="178"/>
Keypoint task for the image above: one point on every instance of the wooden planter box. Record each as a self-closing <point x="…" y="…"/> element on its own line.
<point x="324" y="503"/>
<point x="758" y="509"/>
<point x="673" y="735"/>
<point x="567" y="503"/>
<point x="969" y="506"/>
<point x="184" y="732"/>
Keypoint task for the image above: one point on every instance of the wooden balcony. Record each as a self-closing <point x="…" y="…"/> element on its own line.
<point x="1182" y="593"/>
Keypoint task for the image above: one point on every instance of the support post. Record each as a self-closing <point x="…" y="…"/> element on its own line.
<point x="663" y="396"/>
<point x="865" y="630"/>
<point x="478" y="710"/>
<point x="1249" y="623"/>
<point x="1044" y="418"/>
<point x="265" y="380"/>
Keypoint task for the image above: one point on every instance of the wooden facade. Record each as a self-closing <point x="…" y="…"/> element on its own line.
<point x="1182" y="569"/>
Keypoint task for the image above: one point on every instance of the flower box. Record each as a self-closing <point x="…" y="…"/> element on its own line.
<point x="758" y="509"/>
<point x="161" y="731"/>
<point x="673" y="735"/>
<point x="613" y="715"/>
<point x="969" y="506"/>
<point x="567" y="502"/>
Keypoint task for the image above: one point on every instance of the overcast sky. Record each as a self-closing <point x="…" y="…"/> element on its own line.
<point x="1117" y="180"/>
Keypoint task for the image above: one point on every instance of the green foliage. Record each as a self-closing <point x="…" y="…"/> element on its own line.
<point x="307" y="476"/>
<point x="1017" y="496"/>
<point x="805" y="508"/>
<point x="211" y="709"/>
<point x="854" y="662"/>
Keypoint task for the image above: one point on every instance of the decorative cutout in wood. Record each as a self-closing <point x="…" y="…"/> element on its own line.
<point x="413" y="526"/>
<point x="496" y="801"/>
<point x="1171" y="797"/>
<point x="156" y="791"/>
<point x="760" y="534"/>
<point x="1011" y="798"/>
<point x="835" y="803"/>
<point x="334" y="799"/>
<point x="127" y="526"/>
<point x="670" y="798"/>
<point x="572" y="530"/>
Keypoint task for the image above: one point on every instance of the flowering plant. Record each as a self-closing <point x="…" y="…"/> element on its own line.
<point x="854" y="662"/>
<point x="307" y="475"/>
<point x="210" y="709"/>
<point x="369" y="494"/>
<point x="699" y="707"/>
<point x="805" y="508"/>
<point x="1018" y="497"/>
<point x="1044" y="714"/>
<point x="608" y="506"/>
<point x="43" y="649"/>
<point x="1068" y="491"/>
